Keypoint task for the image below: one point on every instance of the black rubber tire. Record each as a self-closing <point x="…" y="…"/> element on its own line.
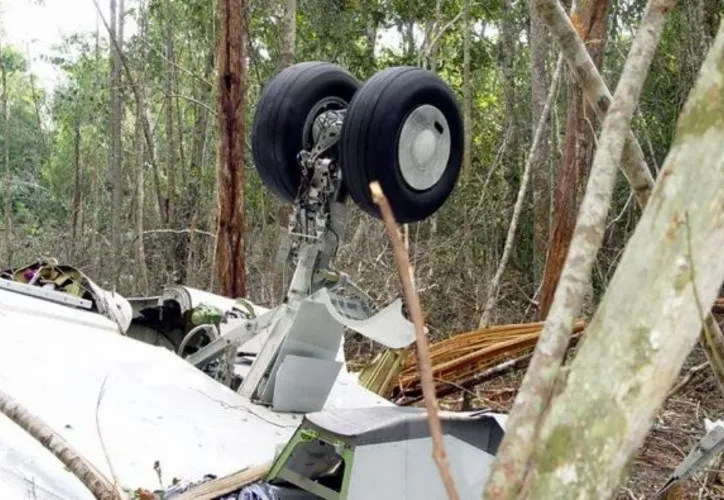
<point x="369" y="141"/>
<point x="285" y="103"/>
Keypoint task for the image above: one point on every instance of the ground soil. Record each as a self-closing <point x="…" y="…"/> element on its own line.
<point x="677" y="428"/>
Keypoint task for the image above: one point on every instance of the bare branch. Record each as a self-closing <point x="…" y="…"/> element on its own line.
<point x="423" y="352"/>
<point x="687" y="378"/>
<point x="514" y="460"/>
<point x="648" y="320"/>
<point x="179" y="231"/>
<point x="82" y="469"/>
<point x="594" y="88"/>
<point x="518" y="209"/>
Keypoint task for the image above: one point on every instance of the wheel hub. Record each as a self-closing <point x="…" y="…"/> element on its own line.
<point x="424" y="147"/>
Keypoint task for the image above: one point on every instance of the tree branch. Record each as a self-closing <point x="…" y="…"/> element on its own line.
<point x="513" y="462"/>
<point x="648" y="320"/>
<point x="82" y="469"/>
<point x="423" y="352"/>
<point x="518" y="209"/>
<point x="633" y="164"/>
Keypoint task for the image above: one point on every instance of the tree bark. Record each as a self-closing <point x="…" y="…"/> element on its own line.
<point x="436" y="31"/>
<point x="76" y="204"/>
<point x="412" y="300"/>
<point x="513" y="462"/>
<point x="168" y="109"/>
<point x="7" y="250"/>
<point x="633" y="164"/>
<point x="518" y="209"/>
<point x="540" y="182"/>
<point x="467" y="95"/>
<point x="507" y="54"/>
<point x="140" y="248"/>
<point x="116" y="145"/>
<point x="98" y="485"/>
<point x="231" y="168"/>
<point x="668" y="277"/>
<point x="289" y="33"/>
<point x="192" y="199"/>
<point x="590" y="19"/>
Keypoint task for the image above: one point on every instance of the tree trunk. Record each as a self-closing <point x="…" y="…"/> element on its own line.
<point x="140" y="247"/>
<point x="467" y="95"/>
<point x="98" y="485"/>
<point x="116" y="179"/>
<point x="435" y="32"/>
<point x="168" y="108"/>
<point x="289" y="30"/>
<point x="655" y="305"/>
<point x="7" y="250"/>
<point x="591" y="22"/>
<point x="539" y="169"/>
<point x="192" y="199"/>
<point x="633" y="164"/>
<point x="518" y="209"/>
<point x="513" y="462"/>
<point x="289" y="33"/>
<point x="231" y="169"/>
<point x="583" y="69"/>
<point x="76" y="205"/>
<point x="507" y="54"/>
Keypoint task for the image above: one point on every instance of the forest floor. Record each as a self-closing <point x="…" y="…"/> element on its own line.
<point x="676" y="430"/>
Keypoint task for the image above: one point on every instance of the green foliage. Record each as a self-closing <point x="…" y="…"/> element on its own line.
<point x="43" y="158"/>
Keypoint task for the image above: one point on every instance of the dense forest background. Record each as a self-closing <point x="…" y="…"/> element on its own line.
<point x="115" y="169"/>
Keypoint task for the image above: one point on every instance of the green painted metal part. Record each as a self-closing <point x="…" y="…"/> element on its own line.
<point x="305" y="435"/>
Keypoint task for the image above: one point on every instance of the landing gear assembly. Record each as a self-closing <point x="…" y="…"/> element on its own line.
<point x="319" y="138"/>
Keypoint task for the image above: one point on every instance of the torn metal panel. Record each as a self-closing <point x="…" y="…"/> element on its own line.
<point x="303" y="384"/>
<point x="388" y="327"/>
<point x="709" y="447"/>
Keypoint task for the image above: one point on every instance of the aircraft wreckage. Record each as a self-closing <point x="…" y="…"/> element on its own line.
<point x="156" y="391"/>
<point x="198" y="396"/>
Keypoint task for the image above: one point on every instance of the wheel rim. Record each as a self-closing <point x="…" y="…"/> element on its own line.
<point x="310" y="132"/>
<point x="423" y="147"/>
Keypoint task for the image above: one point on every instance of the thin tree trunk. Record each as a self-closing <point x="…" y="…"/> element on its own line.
<point x="371" y="32"/>
<point x="192" y="199"/>
<point x="655" y="305"/>
<point x="168" y="98"/>
<point x="230" y="260"/>
<point x="140" y="247"/>
<point x="116" y="145"/>
<point x="77" y="201"/>
<point x="36" y="105"/>
<point x="583" y="69"/>
<point x="467" y="95"/>
<point x="507" y="54"/>
<point x="513" y="462"/>
<point x="146" y="126"/>
<point x="539" y="168"/>
<point x="423" y="353"/>
<point x="435" y="32"/>
<point x="7" y="251"/>
<point x="98" y="485"/>
<point x="591" y="22"/>
<point x="633" y="164"/>
<point x="289" y="32"/>
<point x="518" y="209"/>
<point x="408" y="38"/>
